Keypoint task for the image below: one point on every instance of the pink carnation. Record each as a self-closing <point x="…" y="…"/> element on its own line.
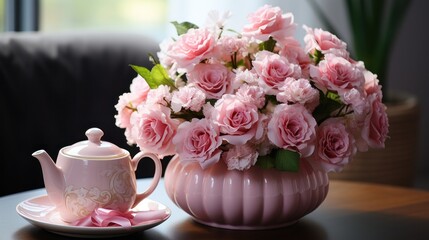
<point x="125" y="107"/>
<point x="153" y="129"/>
<point x="198" y="141"/>
<point x="244" y="77"/>
<point x="269" y="21"/>
<point x="252" y="94"/>
<point x="241" y="157"/>
<point x="128" y="102"/>
<point x="292" y="127"/>
<point x="356" y="100"/>
<point x="160" y="95"/>
<point x="299" y="91"/>
<point x="230" y="46"/>
<point x="188" y="97"/>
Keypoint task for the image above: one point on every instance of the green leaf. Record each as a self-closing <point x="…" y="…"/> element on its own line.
<point x="183" y="27"/>
<point x="268" y="45"/>
<point x="156" y="77"/>
<point x="160" y="76"/>
<point x="317" y="56"/>
<point x="287" y="160"/>
<point x="144" y="72"/>
<point x="327" y="104"/>
<point x="265" y="162"/>
<point x="334" y="96"/>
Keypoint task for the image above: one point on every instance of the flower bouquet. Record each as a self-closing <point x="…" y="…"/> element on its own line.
<point x="255" y="120"/>
<point x="254" y="98"/>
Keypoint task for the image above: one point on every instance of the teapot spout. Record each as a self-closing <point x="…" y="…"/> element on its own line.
<point x="53" y="176"/>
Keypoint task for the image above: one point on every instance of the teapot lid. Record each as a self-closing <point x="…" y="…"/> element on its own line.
<point x="94" y="148"/>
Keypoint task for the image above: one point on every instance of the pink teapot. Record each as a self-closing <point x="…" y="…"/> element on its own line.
<point x="91" y="174"/>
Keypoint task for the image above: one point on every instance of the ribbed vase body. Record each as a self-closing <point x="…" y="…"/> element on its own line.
<point x="252" y="199"/>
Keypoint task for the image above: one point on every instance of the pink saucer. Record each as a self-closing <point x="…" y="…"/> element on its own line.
<point x="40" y="212"/>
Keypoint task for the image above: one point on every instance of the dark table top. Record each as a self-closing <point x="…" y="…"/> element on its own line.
<point x="351" y="211"/>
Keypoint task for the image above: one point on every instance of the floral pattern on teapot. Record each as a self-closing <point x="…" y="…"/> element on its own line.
<point x="82" y="201"/>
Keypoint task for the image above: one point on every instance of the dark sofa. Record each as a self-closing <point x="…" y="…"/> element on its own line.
<point x="53" y="87"/>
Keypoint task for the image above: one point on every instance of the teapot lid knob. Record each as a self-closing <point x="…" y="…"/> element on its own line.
<point x="94" y="148"/>
<point x="94" y="135"/>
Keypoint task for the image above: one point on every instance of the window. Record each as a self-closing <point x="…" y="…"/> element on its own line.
<point x="2" y="16"/>
<point x="143" y="16"/>
<point x="19" y="15"/>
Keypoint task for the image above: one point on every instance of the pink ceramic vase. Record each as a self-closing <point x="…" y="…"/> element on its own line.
<point x="253" y="199"/>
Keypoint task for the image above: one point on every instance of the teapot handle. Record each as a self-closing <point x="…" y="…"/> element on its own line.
<point x="157" y="176"/>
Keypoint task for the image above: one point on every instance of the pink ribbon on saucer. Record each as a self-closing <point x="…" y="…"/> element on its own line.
<point x="102" y="217"/>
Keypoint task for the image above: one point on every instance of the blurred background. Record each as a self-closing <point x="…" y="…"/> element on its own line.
<point x="407" y="70"/>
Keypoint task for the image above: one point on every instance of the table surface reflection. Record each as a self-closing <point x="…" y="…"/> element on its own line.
<point x="351" y="211"/>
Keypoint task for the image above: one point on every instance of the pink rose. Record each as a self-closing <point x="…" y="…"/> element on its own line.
<point x="273" y="69"/>
<point x="292" y="127"/>
<point x="337" y="74"/>
<point x="376" y="126"/>
<point x="153" y="129"/>
<point x="299" y="91"/>
<point x="241" y="157"/>
<point x="139" y="87"/>
<point x="192" y="47"/>
<point x="325" y="42"/>
<point x="198" y="141"/>
<point x="164" y="58"/>
<point x="269" y="21"/>
<point x="213" y="79"/>
<point x="335" y="146"/>
<point x="372" y="83"/>
<point x="237" y="120"/>
<point x="292" y="50"/>
<point x="188" y="97"/>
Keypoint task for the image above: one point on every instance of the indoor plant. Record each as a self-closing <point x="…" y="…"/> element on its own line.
<point x="374" y="26"/>
<point x="231" y="105"/>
